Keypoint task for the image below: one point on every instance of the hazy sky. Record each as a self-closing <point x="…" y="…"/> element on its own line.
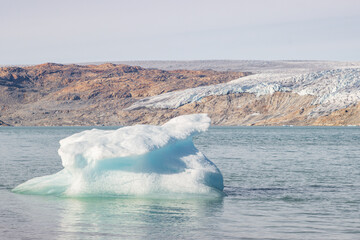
<point x="37" y="31"/>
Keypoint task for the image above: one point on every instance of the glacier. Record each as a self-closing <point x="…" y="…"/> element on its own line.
<point x="140" y="160"/>
<point x="334" y="85"/>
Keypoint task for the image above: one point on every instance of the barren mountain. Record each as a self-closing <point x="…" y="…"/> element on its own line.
<point x="55" y="94"/>
<point x="276" y="93"/>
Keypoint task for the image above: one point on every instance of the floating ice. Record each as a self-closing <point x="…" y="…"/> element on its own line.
<point x="135" y="160"/>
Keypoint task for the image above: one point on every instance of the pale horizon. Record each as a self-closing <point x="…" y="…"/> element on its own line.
<point x="35" y="32"/>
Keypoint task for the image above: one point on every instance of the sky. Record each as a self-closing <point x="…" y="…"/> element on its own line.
<point x="73" y="31"/>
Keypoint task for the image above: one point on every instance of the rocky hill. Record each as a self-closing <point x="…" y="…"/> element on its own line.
<point x="55" y="94"/>
<point x="276" y="93"/>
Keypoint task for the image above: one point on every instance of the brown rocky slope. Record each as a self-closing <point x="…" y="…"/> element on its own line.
<point x="56" y="94"/>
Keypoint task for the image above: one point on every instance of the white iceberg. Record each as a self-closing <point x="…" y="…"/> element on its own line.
<point x="134" y="160"/>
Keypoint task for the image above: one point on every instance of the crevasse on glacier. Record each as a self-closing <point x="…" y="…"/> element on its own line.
<point x="134" y="160"/>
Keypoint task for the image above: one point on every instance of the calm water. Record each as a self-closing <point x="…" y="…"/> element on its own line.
<point x="281" y="182"/>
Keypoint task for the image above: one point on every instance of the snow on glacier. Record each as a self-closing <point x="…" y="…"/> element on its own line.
<point x="134" y="160"/>
<point x="333" y="88"/>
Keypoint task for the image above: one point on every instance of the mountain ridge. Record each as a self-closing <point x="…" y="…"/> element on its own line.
<point x="275" y="93"/>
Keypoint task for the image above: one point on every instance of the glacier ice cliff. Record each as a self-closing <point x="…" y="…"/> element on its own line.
<point x="134" y="160"/>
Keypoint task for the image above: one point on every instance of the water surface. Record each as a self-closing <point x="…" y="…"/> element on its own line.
<point x="281" y="182"/>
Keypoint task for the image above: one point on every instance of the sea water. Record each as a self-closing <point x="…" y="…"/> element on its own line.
<point x="280" y="182"/>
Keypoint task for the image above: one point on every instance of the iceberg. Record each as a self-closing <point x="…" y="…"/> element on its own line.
<point x="140" y="160"/>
